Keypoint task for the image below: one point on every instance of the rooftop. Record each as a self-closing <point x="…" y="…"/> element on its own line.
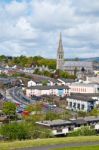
<point x="81" y="97"/>
<point x="54" y="122"/>
<point x="78" y="64"/>
<point x="48" y="87"/>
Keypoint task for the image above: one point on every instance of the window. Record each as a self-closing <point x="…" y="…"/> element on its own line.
<point x="74" y="105"/>
<point x="82" y="106"/>
<point x="70" y="104"/>
<point x="78" y="106"/>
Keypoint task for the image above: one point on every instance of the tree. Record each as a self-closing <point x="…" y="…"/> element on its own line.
<point x="83" y="131"/>
<point x="9" y="109"/>
<point x="15" y="131"/>
<point x="82" y="114"/>
<point x="51" y="116"/>
<point x="94" y="112"/>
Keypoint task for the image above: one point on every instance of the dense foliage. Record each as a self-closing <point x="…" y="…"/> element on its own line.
<point x="9" y="108"/>
<point x="23" y="130"/>
<point x="83" y="131"/>
<point x="25" y="61"/>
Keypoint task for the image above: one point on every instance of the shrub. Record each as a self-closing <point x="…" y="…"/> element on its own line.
<point x="83" y="131"/>
<point x="14" y="131"/>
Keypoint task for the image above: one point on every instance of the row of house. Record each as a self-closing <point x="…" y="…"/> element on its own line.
<point x="34" y="68"/>
<point x="80" y="96"/>
<point x="47" y="90"/>
<point x="63" y="127"/>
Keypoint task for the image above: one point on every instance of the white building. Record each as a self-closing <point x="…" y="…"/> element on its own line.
<point x="80" y="103"/>
<point x="92" y="79"/>
<point x="47" y="90"/>
<point x="83" y="88"/>
<point x="58" y="127"/>
<point x="33" y="83"/>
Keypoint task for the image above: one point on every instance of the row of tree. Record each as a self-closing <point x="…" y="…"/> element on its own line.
<point x="25" y="61"/>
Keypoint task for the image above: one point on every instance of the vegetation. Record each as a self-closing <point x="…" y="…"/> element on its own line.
<point x="63" y="74"/>
<point x="28" y="61"/>
<point x="51" y="116"/>
<point x="9" y="109"/>
<point x="83" y="131"/>
<point x="24" y="61"/>
<point x="14" y="131"/>
<point x="51" y="141"/>
<point x="23" y="130"/>
<point x="82" y="114"/>
<point x="80" y="148"/>
<point x="94" y="112"/>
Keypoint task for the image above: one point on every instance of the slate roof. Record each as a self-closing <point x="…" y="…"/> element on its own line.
<point x="87" y="94"/>
<point x="54" y="122"/>
<point x="81" y="98"/>
<point x="84" y="84"/>
<point x="78" y="64"/>
<point x="48" y="87"/>
<point x="79" y="121"/>
<point x="67" y="80"/>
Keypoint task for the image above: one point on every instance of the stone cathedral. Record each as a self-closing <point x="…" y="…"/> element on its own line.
<point x="70" y="66"/>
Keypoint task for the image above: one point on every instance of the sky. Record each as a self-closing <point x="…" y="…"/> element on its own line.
<point x="32" y="27"/>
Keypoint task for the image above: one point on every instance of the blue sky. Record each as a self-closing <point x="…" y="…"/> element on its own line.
<point x="32" y="27"/>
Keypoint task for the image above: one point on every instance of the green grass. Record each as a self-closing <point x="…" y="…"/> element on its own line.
<point x="42" y="142"/>
<point x="80" y="148"/>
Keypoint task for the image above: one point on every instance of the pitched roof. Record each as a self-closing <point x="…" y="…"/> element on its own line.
<point x="78" y="64"/>
<point x="48" y="87"/>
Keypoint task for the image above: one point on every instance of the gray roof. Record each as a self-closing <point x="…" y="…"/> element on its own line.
<point x="67" y="80"/>
<point x="79" y="121"/>
<point x="54" y="122"/>
<point x="84" y="84"/>
<point x="78" y="64"/>
<point x="48" y="87"/>
<point x="91" y="118"/>
<point x="87" y="94"/>
<point x="81" y="98"/>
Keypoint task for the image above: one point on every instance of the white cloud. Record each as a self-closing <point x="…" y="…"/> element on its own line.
<point x="32" y="27"/>
<point x="16" y="8"/>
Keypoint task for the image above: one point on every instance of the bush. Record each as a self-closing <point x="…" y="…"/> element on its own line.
<point x="83" y="131"/>
<point x="14" y="131"/>
<point x="21" y="131"/>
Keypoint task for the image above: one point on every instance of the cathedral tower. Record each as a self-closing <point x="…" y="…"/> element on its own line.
<point x="60" y="54"/>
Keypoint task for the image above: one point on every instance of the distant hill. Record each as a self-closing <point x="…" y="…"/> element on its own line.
<point x="95" y="59"/>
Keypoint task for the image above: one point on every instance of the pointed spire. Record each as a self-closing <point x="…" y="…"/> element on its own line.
<point x="60" y="46"/>
<point x="60" y="54"/>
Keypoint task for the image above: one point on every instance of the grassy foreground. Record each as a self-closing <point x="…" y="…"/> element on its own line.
<point x="80" y="148"/>
<point x="42" y="142"/>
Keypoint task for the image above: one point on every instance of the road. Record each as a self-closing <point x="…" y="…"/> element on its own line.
<point x="51" y="147"/>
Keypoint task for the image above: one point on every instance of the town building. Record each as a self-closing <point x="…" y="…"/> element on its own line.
<point x="73" y="66"/>
<point x="80" y="103"/>
<point x="77" y="87"/>
<point x="48" y="90"/>
<point x="93" y="79"/>
<point x="63" y="127"/>
<point x="58" y="127"/>
<point x="33" y="83"/>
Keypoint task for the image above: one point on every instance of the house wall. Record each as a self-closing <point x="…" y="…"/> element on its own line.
<point x="76" y="102"/>
<point x="78" y="88"/>
<point x="61" y="131"/>
<point x="31" y="83"/>
<point x="38" y="92"/>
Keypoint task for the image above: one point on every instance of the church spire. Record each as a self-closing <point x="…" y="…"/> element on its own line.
<point x="60" y="54"/>
<point x="60" y="46"/>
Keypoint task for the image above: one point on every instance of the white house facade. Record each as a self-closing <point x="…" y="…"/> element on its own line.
<point x="83" y="88"/>
<point x="47" y="90"/>
<point x="80" y="103"/>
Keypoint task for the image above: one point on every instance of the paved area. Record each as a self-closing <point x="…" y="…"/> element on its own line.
<point x="51" y="147"/>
